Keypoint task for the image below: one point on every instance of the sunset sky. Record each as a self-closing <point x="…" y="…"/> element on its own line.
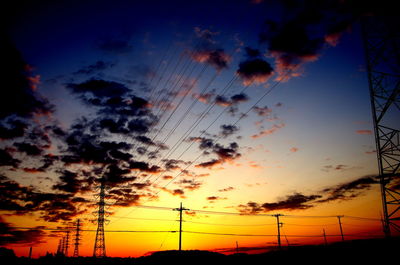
<point x="248" y="107"/>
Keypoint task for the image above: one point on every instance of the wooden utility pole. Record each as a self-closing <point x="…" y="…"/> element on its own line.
<point x="279" y="224"/>
<point x="326" y="242"/>
<point x="340" y="225"/>
<point x="180" y="209"/>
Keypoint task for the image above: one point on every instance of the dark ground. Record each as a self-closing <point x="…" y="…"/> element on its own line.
<point x="355" y="252"/>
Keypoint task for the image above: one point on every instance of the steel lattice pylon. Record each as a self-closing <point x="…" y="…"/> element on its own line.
<point x="99" y="244"/>
<point x="77" y="239"/>
<point x="382" y="42"/>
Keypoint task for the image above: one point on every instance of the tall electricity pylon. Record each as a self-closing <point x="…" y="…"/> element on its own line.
<point x="99" y="244"/>
<point x="77" y="239"/>
<point x="381" y="37"/>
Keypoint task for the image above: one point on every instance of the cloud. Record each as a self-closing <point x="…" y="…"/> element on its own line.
<point x="338" y="167"/>
<point x="12" y="129"/>
<point x="69" y="182"/>
<point x="94" y="68"/>
<point x="213" y="199"/>
<point x="228" y="130"/>
<point x="206" y="34"/>
<point x="266" y="132"/>
<point x="189" y="184"/>
<point x="298" y="201"/>
<point x="144" y="166"/>
<point x="6" y="159"/>
<point x="254" y="70"/>
<point x="51" y="207"/>
<point x="224" y="153"/>
<point x="216" y="58"/>
<point x="99" y="89"/>
<point x="19" y="95"/>
<point x="294" y="149"/>
<point x="205" y="97"/>
<point x="262" y="111"/>
<point x="29" y="149"/>
<point x="232" y="101"/>
<point x="348" y="190"/>
<point x="364" y="132"/>
<point x="300" y="37"/>
<point x="11" y="236"/>
<point x="226" y="189"/>
<point x="210" y="164"/>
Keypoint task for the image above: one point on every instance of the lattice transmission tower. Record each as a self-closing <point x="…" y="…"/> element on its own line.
<point x="77" y="239"/>
<point x="381" y="36"/>
<point x="99" y="244"/>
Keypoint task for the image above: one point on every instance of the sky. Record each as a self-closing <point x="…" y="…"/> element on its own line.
<point x="238" y="109"/>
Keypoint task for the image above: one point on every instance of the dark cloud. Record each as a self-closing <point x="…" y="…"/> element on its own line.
<point x="12" y="129"/>
<point x="224" y="153"/>
<point x="239" y="98"/>
<point x="6" y="159"/>
<point x="29" y="149"/>
<point x="299" y="201"/>
<point x="212" y="199"/>
<point x="19" y="96"/>
<point x="228" y="130"/>
<point x="226" y="189"/>
<point x="216" y="58"/>
<point x="143" y="166"/>
<point x="254" y="70"/>
<point x="295" y="201"/>
<point x="51" y="207"/>
<point x="262" y="111"/>
<point x="189" y="184"/>
<point x="210" y="164"/>
<point x="94" y="68"/>
<point x="172" y="164"/>
<point x="349" y="190"/>
<point x="69" y="182"/>
<point x="222" y="101"/>
<point x="99" y="89"/>
<point x="232" y="101"/>
<point x="308" y="27"/>
<point x="12" y="236"/>
<point x="149" y="142"/>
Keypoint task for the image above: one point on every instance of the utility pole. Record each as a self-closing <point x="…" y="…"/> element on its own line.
<point x="99" y="250"/>
<point x="237" y="247"/>
<point x="30" y="252"/>
<point x="340" y="225"/>
<point x="326" y="242"/>
<point x="180" y="209"/>
<point x="77" y="239"/>
<point x="279" y="225"/>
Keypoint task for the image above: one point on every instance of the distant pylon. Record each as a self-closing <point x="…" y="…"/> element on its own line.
<point x="77" y="239"/>
<point x="99" y="244"/>
<point x="63" y="245"/>
<point x="59" y="248"/>
<point x="66" y="246"/>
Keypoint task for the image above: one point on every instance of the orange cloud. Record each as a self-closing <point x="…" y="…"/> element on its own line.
<point x="294" y="149"/>
<point x="274" y="128"/>
<point x="365" y="132"/>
